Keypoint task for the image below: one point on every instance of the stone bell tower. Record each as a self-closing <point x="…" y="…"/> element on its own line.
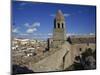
<point x="59" y="33"/>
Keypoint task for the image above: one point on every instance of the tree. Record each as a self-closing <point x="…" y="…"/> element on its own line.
<point x="86" y="61"/>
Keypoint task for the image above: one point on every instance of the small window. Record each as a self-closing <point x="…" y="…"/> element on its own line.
<point x="62" y="25"/>
<point x="54" y="23"/>
<point x="80" y="49"/>
<point x="58" y="25"/>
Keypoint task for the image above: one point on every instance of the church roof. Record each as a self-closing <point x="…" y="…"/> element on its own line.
<point x="80" y="40"/>
<point x="59" y="15"/>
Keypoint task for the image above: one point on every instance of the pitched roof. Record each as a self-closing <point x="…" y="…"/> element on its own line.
<point x="59" y="15"/>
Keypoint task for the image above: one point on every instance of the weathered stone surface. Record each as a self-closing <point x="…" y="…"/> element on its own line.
<point x="67" y="59"/>
<point x="59" y="33"/>
<point x="61" y="53"/>
<point x="51" y="63"/>
<point x="59" y="60"/>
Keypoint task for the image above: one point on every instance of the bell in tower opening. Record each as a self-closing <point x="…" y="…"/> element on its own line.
<point x="59" y="32"/>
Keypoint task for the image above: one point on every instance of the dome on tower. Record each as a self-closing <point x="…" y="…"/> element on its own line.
<point x="59" y="15"/>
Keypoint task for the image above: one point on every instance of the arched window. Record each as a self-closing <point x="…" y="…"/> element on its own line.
<point x="58" y="25"/>
<point x="62" y="25"/>
<point x="54" y="23"/>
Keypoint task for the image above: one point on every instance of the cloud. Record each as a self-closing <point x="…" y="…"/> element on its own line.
<point x="32" y="27"/>
<point x="50" y="34"/>
<point x="26" y="25"/>
<point x="72" y="34"/>
<point x="53" y="15"/>
<point x="31" y="30"/>
<point x="92" y="34"/>
<point x="65" y="14"/>
<point x="23" y="34"/>
<point x="22" y="4"/>
<point x="36" y="24"/>
<point x="79" y="34"/>
<point x="15" y="30"/>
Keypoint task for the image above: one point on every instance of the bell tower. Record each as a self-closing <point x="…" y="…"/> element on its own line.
<point x="59" y="35"/>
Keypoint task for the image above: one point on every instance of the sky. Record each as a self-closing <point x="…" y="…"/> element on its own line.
<point x="35" y="20"/>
